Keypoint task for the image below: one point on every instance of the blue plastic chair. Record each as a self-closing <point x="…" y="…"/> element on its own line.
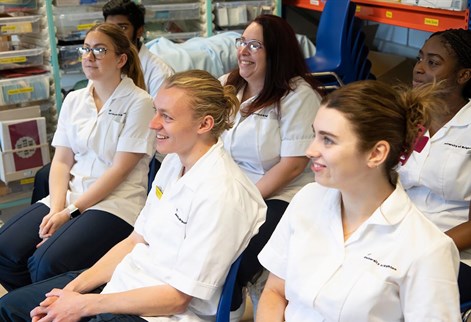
<point x="333" y="46"/>
<point x="465" y="311"/>
<point x="224" y="306"/>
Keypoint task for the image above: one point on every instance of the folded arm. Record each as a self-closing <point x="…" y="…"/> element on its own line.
<point x="272" y="305"/>
<point x="461" y="234"/>
<point x="281" y="174"/>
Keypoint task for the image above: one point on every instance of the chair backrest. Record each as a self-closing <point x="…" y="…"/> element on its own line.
<point x="224" y="306"/>
<point x="332" y="31"/>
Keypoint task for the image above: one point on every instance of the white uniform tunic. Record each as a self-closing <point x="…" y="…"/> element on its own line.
<point x="438" y="180"/>
<point x="155" y="70"/>
<point x="197" y="228"/>
<point x="397" y="266"/>
<point x="121" y="125"/>
<point x="258" y="142"/>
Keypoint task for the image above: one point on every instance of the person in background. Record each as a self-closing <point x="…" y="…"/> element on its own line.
<point x="438" y="179"/>
<point x="272" y="129"/>
<point x="98" y="174"/>
<point x="174" y="264"/>
<point x="129" y="16"/>
<point x="352" y="246"/>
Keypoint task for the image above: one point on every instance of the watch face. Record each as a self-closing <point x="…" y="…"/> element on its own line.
<point x="75" y="213"/>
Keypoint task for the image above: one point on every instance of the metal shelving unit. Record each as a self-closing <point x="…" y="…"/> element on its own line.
<point x="19" y="189"/>
<point x="398" y="14"/>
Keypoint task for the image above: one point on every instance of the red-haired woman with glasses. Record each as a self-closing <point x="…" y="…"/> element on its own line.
<point x="98" y="174"/>
<point x="279" y="100"/>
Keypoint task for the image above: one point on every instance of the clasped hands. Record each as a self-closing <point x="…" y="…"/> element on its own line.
<point x="59" y="306"/>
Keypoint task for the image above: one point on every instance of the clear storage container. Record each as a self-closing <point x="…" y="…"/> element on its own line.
<point x="74" y="26"/>
<point x="178" y="11"/>
<point x="17" y="5"/>
<point x="24" y="89"/>
<point x="239" y="13"/>
<point x="69" y="3"/>
<point x="70" y="60"/>
<point x="21" y="58"/>
<point x="19" y="25"/>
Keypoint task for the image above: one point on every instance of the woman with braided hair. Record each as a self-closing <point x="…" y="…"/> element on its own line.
<point x="438" y="180"/>
<point x="352" y="246"/>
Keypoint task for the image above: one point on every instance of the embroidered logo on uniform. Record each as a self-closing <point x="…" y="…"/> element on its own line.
<point x="458" y="146"/>
<point x="110" y="112"/>
<point x="178" y="217"/>
<point x="378" y="263"/>
<point x="260" y="114"/>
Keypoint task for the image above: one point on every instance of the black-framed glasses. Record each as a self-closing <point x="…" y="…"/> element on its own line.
<point x="253" y="45"/>
<point x="98" y="52"/>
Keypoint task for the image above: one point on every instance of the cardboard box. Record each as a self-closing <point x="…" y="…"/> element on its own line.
<point x="24" y="148"/>
<point x="20" y="113"/>
<point x="392" y="69"/>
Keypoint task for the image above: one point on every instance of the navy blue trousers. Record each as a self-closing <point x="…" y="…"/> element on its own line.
<point x="17" y="305"/>
<point x="78" y="244"/>
<point x="250" y="268"/>
<point x="464" y="283"/>
<point x="41" y="184"/>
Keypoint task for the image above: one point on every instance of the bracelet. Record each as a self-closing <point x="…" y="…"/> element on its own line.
<point x="71" y="209"/>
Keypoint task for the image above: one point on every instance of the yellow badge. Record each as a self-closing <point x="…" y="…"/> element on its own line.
<point x="158" y="192"/>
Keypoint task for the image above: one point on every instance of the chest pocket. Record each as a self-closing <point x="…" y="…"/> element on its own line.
<point x="268" y="137"/>
<point x="109" y="133"/>
<point x="454" y="174"/>
<point x="170" y="220"/>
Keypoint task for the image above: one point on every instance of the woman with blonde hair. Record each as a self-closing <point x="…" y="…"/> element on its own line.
<point x="199" y="216"/>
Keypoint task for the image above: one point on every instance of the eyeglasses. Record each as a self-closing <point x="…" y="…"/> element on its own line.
<point x="253" y="45"/>
<point x="123" y="27"/>
<point x="98" y="52"/>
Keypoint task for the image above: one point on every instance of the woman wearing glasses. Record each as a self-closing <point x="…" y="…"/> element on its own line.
<point x="99" y="171"/>
<point x="273" y="128"/>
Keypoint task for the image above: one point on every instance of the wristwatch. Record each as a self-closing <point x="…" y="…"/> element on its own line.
<point x="73" y="210"/>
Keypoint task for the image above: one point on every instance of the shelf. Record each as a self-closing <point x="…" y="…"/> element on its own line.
<point x="396" y="14"/>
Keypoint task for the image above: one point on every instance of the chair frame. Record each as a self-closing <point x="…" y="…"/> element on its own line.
<point x="224" y="305"/>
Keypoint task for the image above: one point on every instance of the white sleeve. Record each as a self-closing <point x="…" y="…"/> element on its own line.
<point x="298" y="110"/>
<point x="136" y="136"/>
<point x="436" y="269"/>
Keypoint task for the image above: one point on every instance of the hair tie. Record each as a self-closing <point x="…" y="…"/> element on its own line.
<point x="418" y="145"/>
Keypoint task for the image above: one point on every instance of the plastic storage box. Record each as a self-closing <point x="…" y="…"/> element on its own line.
<point x="458" y="5"/>
<point x="19" y="25"/>
<point x="68" y="3"/>
<point x="24" y="89"/>
<point x="17" y="5"/>
<point x="178" y="11"/>
<point x="74" y="26"/>
<point x="70" y="60"/>
<point x="239" y="13"/>
<point x="21" y="58"/>
<point x="153" y="2"/>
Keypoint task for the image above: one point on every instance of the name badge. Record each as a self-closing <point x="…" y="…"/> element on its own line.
<point x="158" y="192"/>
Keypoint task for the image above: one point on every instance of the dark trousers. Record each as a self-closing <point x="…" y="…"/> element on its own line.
<point x="16" y="305"/>
<point x="464" y="283"/>
<point x="41" y="184"/>
<point x="78" y="244"/>
<point x="250" y="268"/>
